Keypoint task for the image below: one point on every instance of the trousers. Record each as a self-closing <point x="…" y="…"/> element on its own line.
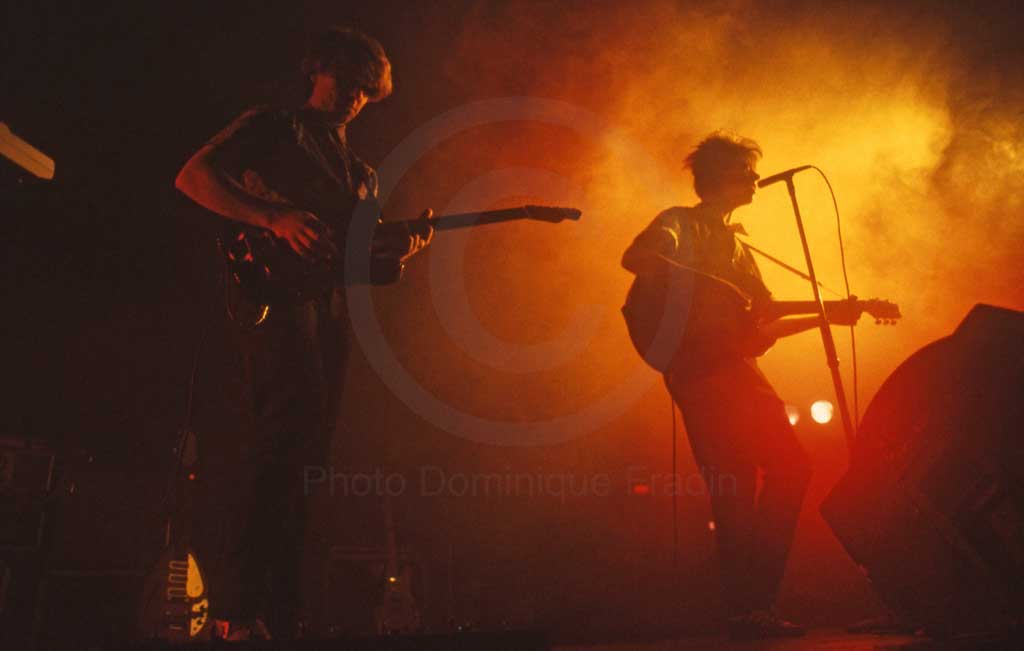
<point x="294" y="366"/>
<point x="739" y="432"/>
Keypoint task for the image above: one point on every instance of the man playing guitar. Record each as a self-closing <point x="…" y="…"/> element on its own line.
<point x="693" y="280"/>
<point x="283" y="171"/>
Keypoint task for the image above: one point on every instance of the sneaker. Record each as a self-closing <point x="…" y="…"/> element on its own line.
<point x="762" y="624"/>
<point x="240" y="630"/>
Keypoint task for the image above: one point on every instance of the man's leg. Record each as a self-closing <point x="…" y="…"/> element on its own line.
<point x="731" y="480"/>
<point x="284" y="380"/>
<point x="298" y="580"/>
<point x="732" y="492"/>
<point x="787" y="473"/>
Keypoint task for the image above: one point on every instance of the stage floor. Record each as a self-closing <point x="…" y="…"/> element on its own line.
<point x="816" y="640"/>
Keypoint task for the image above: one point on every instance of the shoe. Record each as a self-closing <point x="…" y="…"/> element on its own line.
<point x="240" y="630"/>
<point x="882" y="625"/>
<point x="761" y="625"/>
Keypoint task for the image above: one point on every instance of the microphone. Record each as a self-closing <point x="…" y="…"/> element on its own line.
<point x="782" y="176"/>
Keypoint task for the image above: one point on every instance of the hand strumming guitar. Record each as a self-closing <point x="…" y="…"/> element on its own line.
<point x="304" y="233"/>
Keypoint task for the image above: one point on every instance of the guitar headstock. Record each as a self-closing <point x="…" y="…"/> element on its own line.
<point x="884" y="312"/>
<point x="552" y="214"/>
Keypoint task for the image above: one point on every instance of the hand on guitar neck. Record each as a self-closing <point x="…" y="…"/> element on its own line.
<point x="402" y="240"/>
<point x="842" y="313"/>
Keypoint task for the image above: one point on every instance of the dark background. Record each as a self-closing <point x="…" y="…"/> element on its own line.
<point x="111" y="280"/>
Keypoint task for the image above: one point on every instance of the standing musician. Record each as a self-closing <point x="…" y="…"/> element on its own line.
<point x="285" y="170"/>
<point x="692" y="277"/>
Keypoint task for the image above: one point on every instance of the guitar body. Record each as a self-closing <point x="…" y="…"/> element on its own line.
<point x="397" y="612"/>
<point x="175" y="606"/>
<point x="269" y="272"/>
<point x="656" y="327"/>
<point x="657" y="312"/>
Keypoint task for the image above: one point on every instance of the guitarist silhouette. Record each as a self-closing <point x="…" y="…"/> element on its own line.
<point x="284" y="172"/>
<point x="699" y="312"/>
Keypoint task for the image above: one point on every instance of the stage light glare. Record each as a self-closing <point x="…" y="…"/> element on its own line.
<point x="793" y="414"/>
<point x="821" y="411"/>
<point x="711" y="525"/>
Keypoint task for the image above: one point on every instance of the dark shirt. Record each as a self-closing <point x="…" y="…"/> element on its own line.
<point x="295" y="157"/>
<point x="720" y="340"/>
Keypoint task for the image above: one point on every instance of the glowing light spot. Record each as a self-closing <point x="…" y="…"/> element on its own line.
<point x="191" y="476"/>
<point x="711" y="525"/>
<point x="641" y="489"/>
<point x="392" y="579"/>
<point x="793" y="414"/>
<point x="821" y="411"/>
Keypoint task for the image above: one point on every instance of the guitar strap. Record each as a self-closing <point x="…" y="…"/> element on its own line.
<point x="679" y="265"/>
<point x="789" y="268"/>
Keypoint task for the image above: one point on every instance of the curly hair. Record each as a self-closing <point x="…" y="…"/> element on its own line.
<point x="714" y="155"/>
<point x="353" y="55"/>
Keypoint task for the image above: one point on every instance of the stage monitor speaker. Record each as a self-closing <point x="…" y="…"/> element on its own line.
<point x="26" y="477"/>
<point x="20" y="572"/>
<point x="932" y="506"/>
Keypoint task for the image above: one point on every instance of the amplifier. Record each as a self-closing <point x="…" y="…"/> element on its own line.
<point x="26" y="476"/>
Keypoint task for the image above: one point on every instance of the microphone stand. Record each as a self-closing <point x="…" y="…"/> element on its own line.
<point x="826" y="331"/>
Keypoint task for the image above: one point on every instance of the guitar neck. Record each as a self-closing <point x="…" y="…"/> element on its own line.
<point x="779" y="309"/>
<point x="464" y="220"/>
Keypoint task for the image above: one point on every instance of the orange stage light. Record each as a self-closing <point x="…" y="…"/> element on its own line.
<point x="821" y="411"/>
<point x="793" y="413"/>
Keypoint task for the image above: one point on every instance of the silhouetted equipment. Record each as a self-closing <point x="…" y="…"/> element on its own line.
<point x="932" y="507"/>
<point x="356" y="588"/>
<point x="24" y="155"/>
<point x="461" y="641"/>
<point x="26" y="481"/>
<point x="175" y="601"/>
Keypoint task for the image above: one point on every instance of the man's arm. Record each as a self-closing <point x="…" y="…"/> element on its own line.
<point x="202" y="181"/>
<point x="206" y="180"/>
<point x="779" y="328"/>
<point x="643" y="255"/>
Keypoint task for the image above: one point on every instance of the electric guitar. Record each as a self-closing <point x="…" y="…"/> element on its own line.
<point x="656" y="319"/>
<point x="397" y="611"/>
<point x="269" y="272"/>
<point x="175" y="603"/>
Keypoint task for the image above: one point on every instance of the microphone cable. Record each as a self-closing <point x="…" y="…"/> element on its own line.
<point x="675" y="491"/>
<point x="846" y="282"/>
